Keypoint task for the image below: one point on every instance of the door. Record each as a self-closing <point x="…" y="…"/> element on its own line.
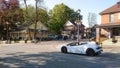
<point x="116" y="32"/>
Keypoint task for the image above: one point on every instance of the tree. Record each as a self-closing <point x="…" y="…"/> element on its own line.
<point x="58" y="17"/>
<point x="38" y="3"/>
<point x="29" y="14"/>
<point x="14" y="16"/>
<point x="34" y="14"/>
<point x="92" y="23"/>
<point x="41" y="14"/>
<point x="92" y="17"/>
<point x="10" y="14"/>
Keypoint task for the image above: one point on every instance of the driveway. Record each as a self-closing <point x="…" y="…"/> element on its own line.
<point x="48" y="55"/>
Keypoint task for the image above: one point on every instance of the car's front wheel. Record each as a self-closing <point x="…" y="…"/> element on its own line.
<point x="90" y="52"/>
<point x="64" y="49"/>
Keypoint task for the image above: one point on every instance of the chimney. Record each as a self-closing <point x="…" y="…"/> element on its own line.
<point x="118" y="3"/>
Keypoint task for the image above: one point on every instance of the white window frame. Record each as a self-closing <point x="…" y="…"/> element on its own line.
<point x="119" y="15"/>
<point x="111" y="18"/>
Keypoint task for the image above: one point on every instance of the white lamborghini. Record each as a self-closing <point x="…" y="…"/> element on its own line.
<point x="90" y="49"/>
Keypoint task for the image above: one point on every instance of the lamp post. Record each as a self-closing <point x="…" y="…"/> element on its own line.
<point x="78" y="25"/>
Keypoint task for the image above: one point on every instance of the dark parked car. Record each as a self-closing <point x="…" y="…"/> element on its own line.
<point x="52" y="37"/>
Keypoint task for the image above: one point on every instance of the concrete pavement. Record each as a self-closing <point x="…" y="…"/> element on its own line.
<point x="48" y="55"/>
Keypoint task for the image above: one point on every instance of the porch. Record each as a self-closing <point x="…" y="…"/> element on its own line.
<point x="109" y="41"/>
<point x="109" y="31"/>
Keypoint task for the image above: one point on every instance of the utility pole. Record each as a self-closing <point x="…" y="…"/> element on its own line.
<point x="78" y="25"/>
<point x="35" y="32"/>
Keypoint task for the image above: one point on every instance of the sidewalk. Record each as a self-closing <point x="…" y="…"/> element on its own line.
<point x="109" y="42"/>
<point x="111" y="48"/>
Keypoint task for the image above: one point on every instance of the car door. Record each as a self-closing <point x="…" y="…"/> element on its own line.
<point x="79" y="49"/>
<point x="71" y="49"/>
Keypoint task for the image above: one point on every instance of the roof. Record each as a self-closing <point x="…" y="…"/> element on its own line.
<point x="72" y="22"/>
<point x="31" y="25"/>
<point x="109" y="25"/>
<point x="69" y="23"/>
<point x="40" y="26"/>
<point x="115" y="8"/>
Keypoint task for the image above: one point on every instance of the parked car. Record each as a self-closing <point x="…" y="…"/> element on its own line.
<point x="89" y="48"/>
<point x="52" y="37"/>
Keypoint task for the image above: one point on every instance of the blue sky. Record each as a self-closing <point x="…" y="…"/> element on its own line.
<point x="86" y="6"/>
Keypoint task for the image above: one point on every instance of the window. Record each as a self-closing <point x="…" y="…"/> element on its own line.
<point x="118" y="15"/>
<point x="111" y="18"/>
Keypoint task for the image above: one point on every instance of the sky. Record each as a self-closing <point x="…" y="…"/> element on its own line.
<point x="86" y="6"/>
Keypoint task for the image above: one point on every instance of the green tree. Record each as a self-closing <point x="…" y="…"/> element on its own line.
<point x="58" y="17"/>
<point x="41" y="14"/>
<point x="11" y="14"/>
<point x="29" y="14"/>
<point x="14" y="16"/>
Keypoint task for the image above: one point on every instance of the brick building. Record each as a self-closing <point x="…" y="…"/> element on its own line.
<point x="110" y="22"/>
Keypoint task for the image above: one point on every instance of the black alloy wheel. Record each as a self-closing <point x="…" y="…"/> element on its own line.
<point x="64" y="49"/>
<point x="90" y="52"/>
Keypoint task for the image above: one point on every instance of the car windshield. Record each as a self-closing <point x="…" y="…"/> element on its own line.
<point x="82" y="43"/>
<point x="76" y="44"/>
<point x="73" y="44"/>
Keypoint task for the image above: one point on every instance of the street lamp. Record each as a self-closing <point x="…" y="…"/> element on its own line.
<point x="78" y="25"/>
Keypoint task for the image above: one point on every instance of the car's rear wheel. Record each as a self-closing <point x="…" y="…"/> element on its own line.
<point x="90" y="52"/>
<point x="64" y="49"/>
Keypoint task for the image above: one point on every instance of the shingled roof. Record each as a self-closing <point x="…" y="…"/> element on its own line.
<point x="115" y="8"/>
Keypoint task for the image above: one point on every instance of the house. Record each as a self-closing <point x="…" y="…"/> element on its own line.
<point x="110" y="22"/>
<point x="26" y="31"/>
<point x="90" y="32"/>
<point x="71" y="28"/>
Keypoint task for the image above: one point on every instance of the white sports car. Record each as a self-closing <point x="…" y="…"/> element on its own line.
<point x="89" y="48"/>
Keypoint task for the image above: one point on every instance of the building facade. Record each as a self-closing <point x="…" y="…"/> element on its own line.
<point x="26" y="31"/>
<point x="71" y="29"/>
<point x="110" y="21"/>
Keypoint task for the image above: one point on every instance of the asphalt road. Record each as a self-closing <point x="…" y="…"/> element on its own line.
<point x="48" y="55"/>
